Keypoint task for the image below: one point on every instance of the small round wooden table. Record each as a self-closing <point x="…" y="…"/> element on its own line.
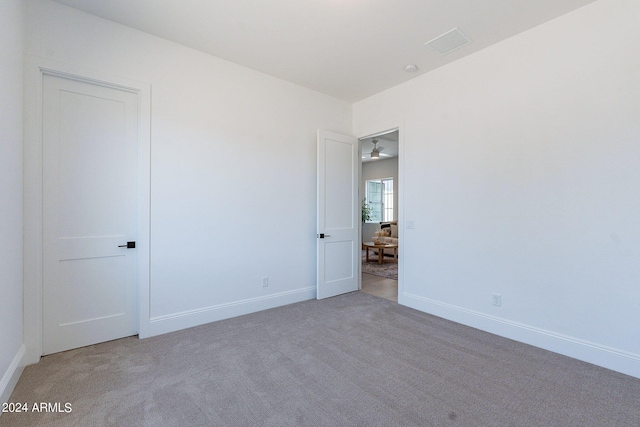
<point x="381" y="248"/>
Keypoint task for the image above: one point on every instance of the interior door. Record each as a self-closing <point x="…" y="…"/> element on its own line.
<point x="89" y="213"/>
<point x="338" y="244"/>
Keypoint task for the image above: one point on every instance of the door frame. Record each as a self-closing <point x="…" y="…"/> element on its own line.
<point x="35" y="69"/>
<point x="401" y="235"/>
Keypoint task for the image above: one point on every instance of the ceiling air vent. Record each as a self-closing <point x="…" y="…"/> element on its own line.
<point x="449" y="41"/>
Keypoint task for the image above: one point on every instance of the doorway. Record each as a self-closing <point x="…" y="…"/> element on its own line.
<point x="379" y="190"/>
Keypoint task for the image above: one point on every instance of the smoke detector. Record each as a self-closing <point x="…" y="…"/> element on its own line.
<point x="411" y="68"/>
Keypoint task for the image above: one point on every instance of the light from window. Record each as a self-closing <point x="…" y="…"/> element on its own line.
<point x="379" y="194"/>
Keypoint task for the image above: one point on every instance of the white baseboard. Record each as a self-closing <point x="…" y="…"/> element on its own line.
<point x="606" y="357"/>
<point x="188" y="319"/>
<point x="12" y="375"/>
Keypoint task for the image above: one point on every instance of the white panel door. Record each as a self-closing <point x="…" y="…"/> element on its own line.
<point x="338" y="249"/>
<point x="89" y="211"/>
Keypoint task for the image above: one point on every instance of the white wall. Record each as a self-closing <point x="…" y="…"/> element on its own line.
<point x="521" y="173"/>
<point x="11" y="50"/>
<point x="387" y="168"/>
<point x="233" y="183"/>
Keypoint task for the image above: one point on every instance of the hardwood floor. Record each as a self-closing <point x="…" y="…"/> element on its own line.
<point x="380" y="286"/>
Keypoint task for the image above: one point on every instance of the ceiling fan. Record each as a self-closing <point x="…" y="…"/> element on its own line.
<point x="375" y="153"/>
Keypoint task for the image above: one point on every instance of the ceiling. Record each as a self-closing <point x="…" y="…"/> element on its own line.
<point x="349" y="49"/>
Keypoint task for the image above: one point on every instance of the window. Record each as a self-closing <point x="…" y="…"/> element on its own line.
<point x="379" y="194"/>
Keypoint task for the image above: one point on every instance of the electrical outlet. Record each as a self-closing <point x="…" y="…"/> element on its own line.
<point x="497" y="300"/>
<point x="265" y="282"/>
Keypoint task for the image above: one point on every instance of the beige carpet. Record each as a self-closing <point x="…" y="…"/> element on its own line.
<point x="352" y="360"/>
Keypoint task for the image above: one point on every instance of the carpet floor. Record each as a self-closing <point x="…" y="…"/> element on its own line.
<point x="351" y="360"/>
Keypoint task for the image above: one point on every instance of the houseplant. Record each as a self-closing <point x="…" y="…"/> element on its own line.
<point x="366" y="211"/>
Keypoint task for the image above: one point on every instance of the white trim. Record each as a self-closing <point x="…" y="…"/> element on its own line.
<point x="401" y="186"/>
<point x="12" y="375"/>
<point x="92" y="81"/>
<point x="188" y="319"/>
<point x="607" y="357"/>
<point x="35" y="67"/>
<point x="360" y="196"/>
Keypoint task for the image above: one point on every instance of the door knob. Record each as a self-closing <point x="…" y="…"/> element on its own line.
<point x="129" y="245"/>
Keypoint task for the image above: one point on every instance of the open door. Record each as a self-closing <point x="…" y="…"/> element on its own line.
<point x="338" y="243"/>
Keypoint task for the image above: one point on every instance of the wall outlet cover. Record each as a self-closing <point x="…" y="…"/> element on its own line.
<point x="497" y="300"/>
